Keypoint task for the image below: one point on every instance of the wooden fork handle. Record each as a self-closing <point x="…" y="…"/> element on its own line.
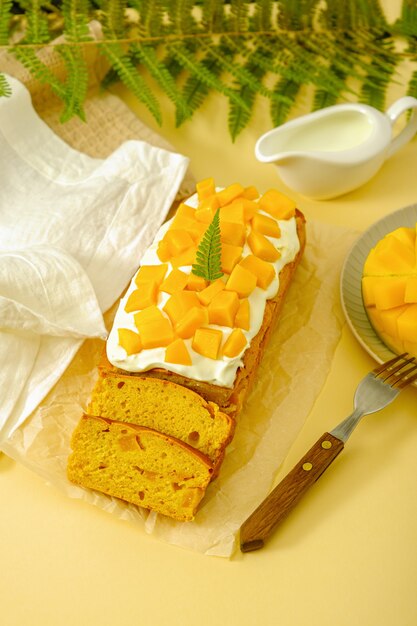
<point x="263" y="521"/>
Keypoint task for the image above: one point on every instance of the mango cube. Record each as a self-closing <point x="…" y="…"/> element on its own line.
<point x="207" y="342"/>
<point x="227" y="195"/>
<point x="392" y="255"/>
<point x="192" y="226"/>
<point x="264" y="271"/>
<point x="175" y="281"/>
<point x="223" y="308"/>
<point x="262" y="247"/>
<point x="232" y="233"/>
<point x="185" y="258"/>
<point x="205" y="214"/>
<point x="242" y="317"/>
<point x="368" y="284"/>
<point x="242" y="281"/>
<point x="277" y="204"/>
<point x="234" y="344"/>
<point x="389" y="291"/>
<point x="251" y="193"/>
<point x="410" y="295"/>
<point x="184" y="210"/>
<point x="388" y="320"/>
<point x="211" y="202"/>
<point x="163" y="251"/>
<point x="407" y="324"/>
<point x="129" y="340"/>
<point x="196" y="283"/>
<point x="150" y="314"/>
<point x="233" y="212"/>
<point x="250" y="208"/>
<point x="179" y="303"/>
<point x="156" y="333"/>
<point x="145" y="295"/>
<point x="151" y="272"/>
<point x="205" y="188"/>
<point x="266" y="225"/>
<point x="406" y="235"/>
<point x="230" y="256"/>
<point x="176" y="352"/>
<point x="194" y="318"/>
<point x="206" y="295"/>
<point x="178" y="241"/>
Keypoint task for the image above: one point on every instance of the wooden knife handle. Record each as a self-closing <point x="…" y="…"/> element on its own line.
<point x="262" y="522"/>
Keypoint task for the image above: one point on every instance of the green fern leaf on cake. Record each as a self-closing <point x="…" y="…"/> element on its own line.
<point x="208" y="257"/>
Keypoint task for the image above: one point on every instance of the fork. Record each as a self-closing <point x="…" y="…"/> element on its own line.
<point x="374" y="392"/>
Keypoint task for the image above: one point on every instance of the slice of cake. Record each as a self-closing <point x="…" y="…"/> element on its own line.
<point x="139" y="465"/>
<point x="166" y="407"/>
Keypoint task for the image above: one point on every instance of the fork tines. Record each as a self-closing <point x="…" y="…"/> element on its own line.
<point x="399" y="371"/>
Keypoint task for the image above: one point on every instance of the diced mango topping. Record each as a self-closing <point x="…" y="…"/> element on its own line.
<point x="205" y="188"/>
<point x="178" y="241"/>
<point x="230" y="255"/>
<point x="145" y="295"/>
<point x="176" y="352"/>
<point x="234" y="234"/>
<point x="242" y="281"/>
<point x="223" y="308"/>
<point x="207" y="342"/>
<point x="194" y="318"/>
<point x="264" y="271"/>
<point x="242" y="317"/>
<point x="129" y="340"/>
<point x="262" y="247"/>
<point x="227" y="195"/>
<point x="234" y="344"/>
<point x="206" y="295"/>
<point x="189" y="304"/>
<point x="175" y="281"/>
<point x="179" y="303"/>
<point x="266" y="225"/>
<point x="277" y="205"/>
<point x="156" y="333"/>
<point x="151" y="272"/>
<point x="196" y="283"/>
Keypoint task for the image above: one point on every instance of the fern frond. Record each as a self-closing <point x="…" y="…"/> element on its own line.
<point x="40" y="71"/>
<point x="151" y="17"/>
<point x="181" y="19"/>
<point x="204" y="75"/>
<point x="5" y="89"/>
<point x="147" y="56"/>
<point x="195" y="89"/>
<point x="130" y="77"/>
<point x="76" y="17"/>
<point x="208" y="256"/>
<point x="76" y="84"/>
<point x="37" y="30"/>
<point x="280" y="109"/>
<point x="213" y="16"/>
<point x="238" y="15"/>
<point x="5" y="17"/>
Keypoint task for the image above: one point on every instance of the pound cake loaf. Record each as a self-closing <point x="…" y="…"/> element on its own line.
<point x="209" y="336"/>
<point x="166" y="407"/>
<point x="139" y="465"/>
<point x="185" y="346"/>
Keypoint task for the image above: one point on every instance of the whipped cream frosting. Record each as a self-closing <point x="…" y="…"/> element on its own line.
<point x="221" y="371"/>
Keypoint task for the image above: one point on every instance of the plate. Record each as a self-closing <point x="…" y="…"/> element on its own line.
<point x="350" y="281"/>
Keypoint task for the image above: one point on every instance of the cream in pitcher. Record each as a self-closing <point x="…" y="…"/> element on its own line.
<point x="337" y="149"/>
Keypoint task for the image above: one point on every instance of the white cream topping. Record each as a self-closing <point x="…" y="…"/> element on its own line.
<point x="221" y="371"/>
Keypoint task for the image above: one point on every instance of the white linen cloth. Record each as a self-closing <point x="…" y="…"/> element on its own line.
<point x="72" y="232"/>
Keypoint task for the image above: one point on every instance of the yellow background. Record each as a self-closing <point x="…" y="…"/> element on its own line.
<point x="346" y="556"/>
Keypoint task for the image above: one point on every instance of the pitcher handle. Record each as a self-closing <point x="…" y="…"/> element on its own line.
<point x="393" y="113"/>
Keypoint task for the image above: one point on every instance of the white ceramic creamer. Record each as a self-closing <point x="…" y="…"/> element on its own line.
<point x="337" y="149"/>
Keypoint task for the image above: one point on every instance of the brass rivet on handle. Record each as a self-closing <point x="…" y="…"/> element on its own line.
<point x="307" y="466"/>
<point x="326" y="444"/>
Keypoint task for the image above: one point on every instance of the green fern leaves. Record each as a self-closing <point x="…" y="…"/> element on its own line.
<point x="246" y="50"/>
<point x="208" y="257"/>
